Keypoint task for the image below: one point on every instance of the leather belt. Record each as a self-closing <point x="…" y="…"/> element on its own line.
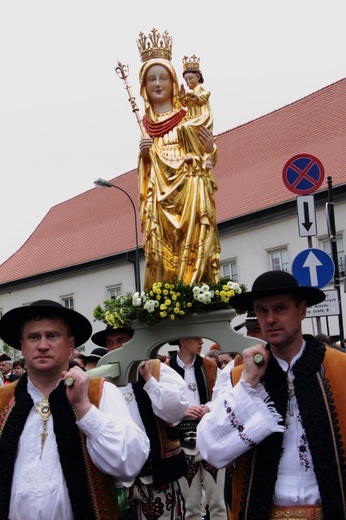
<point x="187" y="433"/>
<point x="296" y="513"/>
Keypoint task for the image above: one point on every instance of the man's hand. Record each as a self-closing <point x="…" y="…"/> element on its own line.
<point x="196" y="412"/>
<point x="77" y="393"/>
<point x="253" y="371"/>
<point x="145" y="369"/>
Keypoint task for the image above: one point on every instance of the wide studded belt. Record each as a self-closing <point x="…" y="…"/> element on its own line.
<point x="296" y="513"/>
<point x="187" y="433"/>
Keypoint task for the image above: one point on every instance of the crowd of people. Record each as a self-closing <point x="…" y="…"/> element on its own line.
<point x="235" y="436"/>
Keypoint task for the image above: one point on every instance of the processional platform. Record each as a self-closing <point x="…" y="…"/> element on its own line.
<point x="120" y="366"/>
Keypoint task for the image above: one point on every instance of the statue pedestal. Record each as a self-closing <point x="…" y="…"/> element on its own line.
<point x="146" y="341"/>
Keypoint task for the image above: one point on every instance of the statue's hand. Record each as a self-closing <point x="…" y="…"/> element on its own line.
<point x="145" y="145"/>
<point x="206" y="138"/>
<point x="181" y="91"/>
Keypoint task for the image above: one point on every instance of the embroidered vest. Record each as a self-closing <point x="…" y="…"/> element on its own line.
<point x="91" y="492"/>
<point x="166" y="462"/>
<point x="320" y="391"/>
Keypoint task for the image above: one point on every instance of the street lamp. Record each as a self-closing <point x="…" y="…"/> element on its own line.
<point x="102" y="183"/>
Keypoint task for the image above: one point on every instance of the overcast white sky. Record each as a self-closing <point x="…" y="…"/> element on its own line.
<point x="65" y="118"/>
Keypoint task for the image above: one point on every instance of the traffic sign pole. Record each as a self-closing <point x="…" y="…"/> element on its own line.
<point x="332" y="238"/>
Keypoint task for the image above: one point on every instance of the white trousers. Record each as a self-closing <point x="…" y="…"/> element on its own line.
<point x="203" y="483"/>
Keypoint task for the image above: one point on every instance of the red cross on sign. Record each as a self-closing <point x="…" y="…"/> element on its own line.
<point x="303" y="174"/>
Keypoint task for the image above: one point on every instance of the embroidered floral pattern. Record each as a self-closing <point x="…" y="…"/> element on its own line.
<point x="303" y="449"/>
<point x="192" y="468"/>
<point x="153" y="509"/>
<point x="236" y="424"/>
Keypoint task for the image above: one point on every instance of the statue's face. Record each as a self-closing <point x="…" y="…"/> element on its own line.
<point x="192" y="79"/>
<point x="158" y="84"/>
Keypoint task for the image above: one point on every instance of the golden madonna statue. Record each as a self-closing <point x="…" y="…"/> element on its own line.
<point x="176" y="181"/>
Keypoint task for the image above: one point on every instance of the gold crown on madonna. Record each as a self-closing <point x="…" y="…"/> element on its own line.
<point x="190" y="63"/>
<point x="155" y="45"/>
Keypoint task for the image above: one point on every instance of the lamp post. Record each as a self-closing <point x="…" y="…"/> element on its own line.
<point x="102" y="183"/>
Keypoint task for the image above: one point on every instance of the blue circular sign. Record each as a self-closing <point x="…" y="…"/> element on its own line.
<point x="303" y="174"/>
<point x="313" y="268"/>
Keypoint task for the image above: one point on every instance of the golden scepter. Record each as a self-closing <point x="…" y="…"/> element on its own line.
<point x="123" y="73"/>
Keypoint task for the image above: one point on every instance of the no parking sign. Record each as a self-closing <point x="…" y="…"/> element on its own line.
<point x="303" y="174"/>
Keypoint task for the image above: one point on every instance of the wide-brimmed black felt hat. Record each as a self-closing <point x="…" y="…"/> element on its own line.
<point x="99" y="338"/>
<point x="250" y="320"/>
<point x="5" y="357"/>
<point x="12" y="321"/>
<point x="276" y="282"/>
<point x="96" y="354"/>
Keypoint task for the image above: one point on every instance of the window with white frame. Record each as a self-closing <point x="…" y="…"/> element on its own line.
<point x="68" y="302"/>
<point x="340" y="249"/>
<point x="113" y="292"/>
<point x="229" y="270"/>
<point x="279" y="259"/>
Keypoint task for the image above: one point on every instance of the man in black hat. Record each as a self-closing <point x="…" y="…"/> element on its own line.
<point x="111" y="338"/>
<point x="156" y="401"/>
<point x="62" y="447"/>
<point x="282" y="418"/>
<point x="94" y="357"/>
<point x="252" y="326"/>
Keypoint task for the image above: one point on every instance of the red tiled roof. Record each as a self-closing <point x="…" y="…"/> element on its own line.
<point x="100" y="223"/>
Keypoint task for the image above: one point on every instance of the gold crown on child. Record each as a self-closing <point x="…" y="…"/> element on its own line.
<point x="155" y="45"/>
<point x="191" y="63"/>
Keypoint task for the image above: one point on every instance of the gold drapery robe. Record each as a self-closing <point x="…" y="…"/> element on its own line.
<point x="177" y="206"/>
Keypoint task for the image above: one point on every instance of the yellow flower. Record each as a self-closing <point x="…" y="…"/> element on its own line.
<point x="172" y="316"/>
<point x="189" y="304"/>
<point x="163" y="314"/>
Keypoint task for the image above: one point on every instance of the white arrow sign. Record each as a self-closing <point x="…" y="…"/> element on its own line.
<point x="312" y="262"/>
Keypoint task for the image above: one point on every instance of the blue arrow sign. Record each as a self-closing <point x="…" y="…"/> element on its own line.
<point x="313" y="268"/>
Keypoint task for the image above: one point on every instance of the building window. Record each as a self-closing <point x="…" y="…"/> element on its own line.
<point x="279" y="260"/>
<point x="340" y="249"/>
<point x="113" y="292"/>
<point x="68" y="302"/>
<point x="229" y="270"/>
